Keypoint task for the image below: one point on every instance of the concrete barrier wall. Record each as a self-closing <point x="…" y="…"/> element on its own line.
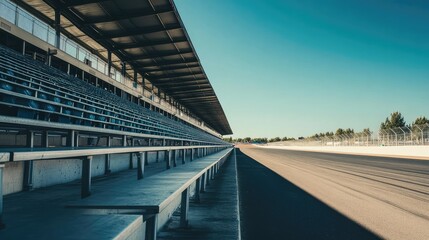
<point x="51" y="172"/>
<point x="418" y="152"/>
<point x="13" y="177"/>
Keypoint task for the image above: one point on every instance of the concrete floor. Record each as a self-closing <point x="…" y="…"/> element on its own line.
<point x="31" y="215"/>
<point x="307" y="195"/>
<point x="215" y="216"/>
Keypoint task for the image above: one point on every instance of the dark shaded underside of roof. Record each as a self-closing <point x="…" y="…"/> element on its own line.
<point x="149" y="36"/>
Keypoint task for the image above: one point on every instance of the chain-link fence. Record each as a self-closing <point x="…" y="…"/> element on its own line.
<point x="401" y="136"/>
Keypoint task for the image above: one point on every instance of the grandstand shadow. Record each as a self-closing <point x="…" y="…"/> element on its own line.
<point x="273" y="208"/>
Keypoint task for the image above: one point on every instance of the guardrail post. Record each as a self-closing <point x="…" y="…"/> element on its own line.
<point x="86" y="177"/>
<point x="167" y="158"/>
<point x="184" y="206"/>
<point x="140" y="165"/>
<point x="1" y="196"/>
<point x="151" y="227"/>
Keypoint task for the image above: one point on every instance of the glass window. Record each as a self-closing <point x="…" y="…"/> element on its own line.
<point x="51" y="36"/>
<point x="101" y="66"/>
<point x="25" y="21"/>
<point x="82" y="54"/>
<point x="40" y="30"/>
<point x="71" y="48"/>
<point x="7" y="10"/>
<point x="63" y="41"/>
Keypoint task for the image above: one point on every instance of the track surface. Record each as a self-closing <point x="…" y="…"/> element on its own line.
<point x="331" y="196"/>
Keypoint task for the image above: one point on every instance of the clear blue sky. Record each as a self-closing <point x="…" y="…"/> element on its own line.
<point x="294" y="68"/>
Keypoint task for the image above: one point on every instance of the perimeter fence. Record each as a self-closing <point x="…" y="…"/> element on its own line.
<point x="400" y="136"/>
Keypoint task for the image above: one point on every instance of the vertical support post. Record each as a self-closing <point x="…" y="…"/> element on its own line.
<point x="146" y="158"/>
<point x="86" y="177"/>
<point x="124" y="141"/>
<point x="1" y="196"/>
<point x="123" y="69"/>
<point x="23" y="47"/>
<point x="71" y="138"/>
<point x="57" y="24"/>
<point x="151" y="225"/>
<point x="107" y="170"/>
<point x="183" y="156"/>
<point x="184" y="207"/>
<point x="167" y="157"/>
<point x="203" y="183"/>
<point x="76" y="139"/>
<point x="191" y="157"/>
<point x="45" y="139"/>
<point x="140" y="165"/>
<point x="109" y="63"/>
<point x="197" y="190"/>
<point x="135" y="78"/>
<point x="157" y="156"/>
<point x="131" y="165"/>
<point x="208" y="177"/>
<point x="28" y="165"/>
<point x="174" y="156"/>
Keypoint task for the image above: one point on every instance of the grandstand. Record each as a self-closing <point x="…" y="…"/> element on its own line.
<point x="89" y="88"/>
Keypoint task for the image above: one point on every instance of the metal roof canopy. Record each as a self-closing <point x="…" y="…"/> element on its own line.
<point x="150" y="36"/>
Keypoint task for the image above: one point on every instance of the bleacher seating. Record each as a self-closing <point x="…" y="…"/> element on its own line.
<point x="32" y="90"/>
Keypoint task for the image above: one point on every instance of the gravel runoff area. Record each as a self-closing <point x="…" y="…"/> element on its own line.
<point x="331" y="196"/>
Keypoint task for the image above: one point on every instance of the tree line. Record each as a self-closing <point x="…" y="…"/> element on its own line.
<point x="394" y="120"/>
<point x="257" y="140"/>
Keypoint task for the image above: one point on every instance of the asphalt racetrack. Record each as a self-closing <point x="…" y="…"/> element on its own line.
<point x="306" y="195"/>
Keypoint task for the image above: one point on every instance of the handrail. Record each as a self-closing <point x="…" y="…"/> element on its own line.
<point x="26" y="155"/>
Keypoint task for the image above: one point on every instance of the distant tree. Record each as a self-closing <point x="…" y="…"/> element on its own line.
<point x="421" y="121"/>
<point x="247" y="139"/>
<point x="285" y="139"/>
<point x="339" y="132"/>
<point x="366" y="131"/>
<point x="239" y="140"/>
<point x="349" y="131"/>
<point x="259" y="140"/>
<point x="301" y="138"/>
<point x="396" y="120"/>
<point x="276" y="139"/>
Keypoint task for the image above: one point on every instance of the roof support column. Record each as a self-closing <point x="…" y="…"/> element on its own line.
<point x="135" y="79"/>
<point x="123" y="70"/>
<point x="57" y="25"/>
<point x="109" y="63"/>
